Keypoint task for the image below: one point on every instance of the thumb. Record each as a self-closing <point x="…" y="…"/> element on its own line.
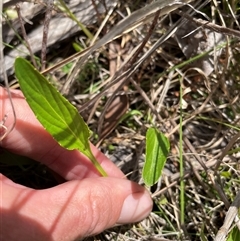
<point x="70" y="211"/>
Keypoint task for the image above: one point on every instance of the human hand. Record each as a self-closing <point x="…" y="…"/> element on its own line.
<point x="84" y="205"/>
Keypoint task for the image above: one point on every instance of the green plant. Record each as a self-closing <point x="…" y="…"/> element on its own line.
<point x="65" y="9"/>
<point x="62" y="120"/>
<point x="234" y="234"/>
<point x="157" y="149"/>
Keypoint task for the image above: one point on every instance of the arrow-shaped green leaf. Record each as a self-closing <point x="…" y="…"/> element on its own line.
<point x="157" y="149"/>
<point x="57" y="115"/>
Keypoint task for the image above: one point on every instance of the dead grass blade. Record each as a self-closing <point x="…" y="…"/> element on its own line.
<point x="128" y="72"/>
<point x="113" y="112"/>
<point x="117" y="105"/>
<point x="214" y="27"/>
<point x="144" y="14"/>
<point x="232" y="214"/>
<point x="21" y="21"/>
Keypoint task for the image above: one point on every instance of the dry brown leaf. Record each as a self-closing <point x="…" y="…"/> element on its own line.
<point x="117" y="105"/>
<point x="113" y="114"/>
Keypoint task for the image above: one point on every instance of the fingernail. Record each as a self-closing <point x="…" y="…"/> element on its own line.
<point x="136" y="207"/>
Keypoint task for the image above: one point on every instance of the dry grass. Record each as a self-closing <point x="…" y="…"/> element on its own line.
<point x="150" y="95"/>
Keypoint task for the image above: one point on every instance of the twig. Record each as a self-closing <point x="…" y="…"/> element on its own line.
<point x="96" y="10"/>
<point x="25" y="35"/>
<point x="230" y="216"/>
<point x="103" y="24"/>
<point x="47" y="19"/>
<point x="132" y="21"/>
<point x="226" y="149"/>
<point x="129" y="64"/>
<point x="212" y="26"/>
<point x="122" y="27"/>
<point x="119" y="74"/>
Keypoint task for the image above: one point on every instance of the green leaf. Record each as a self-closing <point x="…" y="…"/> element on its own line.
<point x="234" y="235"/>
<point x="157" y="149"/>
<point x="57" y="115"/>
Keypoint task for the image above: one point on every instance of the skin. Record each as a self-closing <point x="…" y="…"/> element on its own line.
<point x="84" y="205"/>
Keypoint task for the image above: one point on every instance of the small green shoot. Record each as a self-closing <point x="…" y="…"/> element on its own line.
<point x="77" y="47"/>
<point x="57" y="115"/>
<point x="157" y="149"/>
<point x="181" y="161"/>
<point x="73" y="17"/>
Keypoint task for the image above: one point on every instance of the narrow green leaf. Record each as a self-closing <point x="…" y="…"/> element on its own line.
<point x="157" y="149"/>
<point x="57" y="115"/>
<point x="234" y="234"/>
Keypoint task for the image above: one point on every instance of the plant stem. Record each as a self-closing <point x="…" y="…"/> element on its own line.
<point x="72" y="16"/>
<point x="96" y="164"/>
<point x="182" y="201"/>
